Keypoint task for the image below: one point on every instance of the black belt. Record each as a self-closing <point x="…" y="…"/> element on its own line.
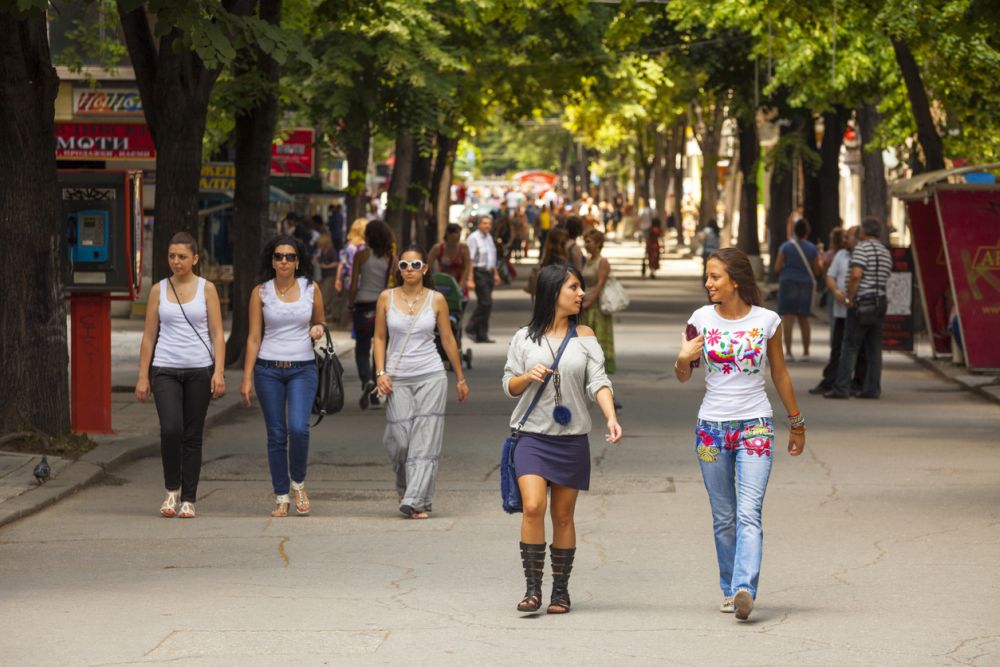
<point x="266" y="363"/>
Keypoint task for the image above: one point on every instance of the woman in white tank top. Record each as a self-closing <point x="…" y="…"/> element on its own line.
<point x="286" y="315"/>
<point x="184" y="362"/>
<point x="411" y="375"/>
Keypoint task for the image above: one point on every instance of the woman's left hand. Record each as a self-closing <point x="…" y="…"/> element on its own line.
<point x="316" y="331"/>
<point x="796" y="442"/>
<point x="614" y="431"/>
<point x="218" y="384"/>
<point x="462" y="389"/>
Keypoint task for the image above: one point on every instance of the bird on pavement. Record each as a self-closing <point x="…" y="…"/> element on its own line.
<point x="42" y="470"/>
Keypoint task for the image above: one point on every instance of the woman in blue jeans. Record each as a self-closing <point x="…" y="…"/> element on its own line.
<point x="287" y="308"/>
<point x="737" y="339"/>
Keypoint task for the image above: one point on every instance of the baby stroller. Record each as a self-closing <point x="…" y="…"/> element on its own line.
<point x="448" y="286"/>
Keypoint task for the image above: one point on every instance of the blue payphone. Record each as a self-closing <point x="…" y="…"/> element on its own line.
<point x="88" y="241"/>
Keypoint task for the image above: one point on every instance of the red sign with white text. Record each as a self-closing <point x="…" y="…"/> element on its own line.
<point x="970" y="228"/>
<point x="104" y="141"/>
<point x="294" y="155"/>
<point x="932" y="271"/>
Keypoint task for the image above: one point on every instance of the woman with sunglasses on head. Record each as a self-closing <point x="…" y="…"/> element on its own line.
<point x="183" y="349"/>
<point x="737" y="339"/>
<point x="553" y="449"/>
<point x="411" y="376"/>
<point x="286" y="316"/>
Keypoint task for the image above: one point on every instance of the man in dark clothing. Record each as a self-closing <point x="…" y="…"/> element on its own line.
<point x="338" y="230"/>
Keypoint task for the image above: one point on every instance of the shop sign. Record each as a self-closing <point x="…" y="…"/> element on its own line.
<point x="104" y="141"/>
<point x="897" y="327"/>
<point x="931" y="270"/>
<point x="294" y="155"/>
<point x="106" y="102"/>
<point x="217" y="177"/>
<point x="970" y="229"/>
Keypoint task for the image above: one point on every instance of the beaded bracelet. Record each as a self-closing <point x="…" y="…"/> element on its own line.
<point x="797" y="421"/>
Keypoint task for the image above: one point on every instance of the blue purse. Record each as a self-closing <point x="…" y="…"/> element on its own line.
<point x="510" y="492"/>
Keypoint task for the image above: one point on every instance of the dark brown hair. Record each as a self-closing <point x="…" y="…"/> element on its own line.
<point x="554" y="251"/>
<point x="740" y="271"/>
<point x="183" y="238"/>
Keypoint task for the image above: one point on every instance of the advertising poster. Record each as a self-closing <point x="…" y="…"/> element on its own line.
<point x="104" y="141"/>
<point x="897" y="328"/>
<point x="107" y="102"/>
<point x="294" y="155"/>
<point x="931" y="270"/>
<point x="970" y="228"/>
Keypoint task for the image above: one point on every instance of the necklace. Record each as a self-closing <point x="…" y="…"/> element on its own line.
<point x="283" y="292"/>
<point x="410" y="305"/>
<point x="560" y="413"/>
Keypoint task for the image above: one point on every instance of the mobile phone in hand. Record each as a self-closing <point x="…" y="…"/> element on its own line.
<point x="692" y="332"/>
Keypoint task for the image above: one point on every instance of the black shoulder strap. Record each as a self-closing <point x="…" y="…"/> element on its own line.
<point x="177" y="296"/>
<point x="555" y="364"/>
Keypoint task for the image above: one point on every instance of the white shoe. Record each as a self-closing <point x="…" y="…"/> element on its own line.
<point x="187" y="510"/>
<point x="169" y="506"/>
<point x="804" y="357"/>
<point x="727" y="606"/>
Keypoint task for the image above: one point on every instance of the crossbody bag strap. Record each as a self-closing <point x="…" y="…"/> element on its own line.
<point x="178" y="297"/>
<point x="538" y="394"/>
<point x="806" y="262"/>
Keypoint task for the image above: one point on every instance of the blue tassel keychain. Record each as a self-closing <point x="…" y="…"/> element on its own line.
<point x="561" y="414"/>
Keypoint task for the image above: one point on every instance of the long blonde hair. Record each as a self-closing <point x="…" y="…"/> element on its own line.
<point x="356" y="234"/>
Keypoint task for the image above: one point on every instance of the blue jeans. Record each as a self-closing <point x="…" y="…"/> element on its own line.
<point x="293" y="389"/>
<point x="735" y="459"/>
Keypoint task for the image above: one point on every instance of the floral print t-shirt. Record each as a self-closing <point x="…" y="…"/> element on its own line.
<point x="734" y="358"/>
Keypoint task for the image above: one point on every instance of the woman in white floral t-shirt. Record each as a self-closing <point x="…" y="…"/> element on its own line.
<point x="737" y="339"/>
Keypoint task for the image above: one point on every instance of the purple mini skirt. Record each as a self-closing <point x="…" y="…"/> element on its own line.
<point x="558" y="459"/>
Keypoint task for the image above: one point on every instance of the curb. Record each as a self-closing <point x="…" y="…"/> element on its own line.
<point x="94" y="466"/>
<point x="944" y="375"/>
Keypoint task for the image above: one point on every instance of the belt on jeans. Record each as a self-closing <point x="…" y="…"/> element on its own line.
<point x="267" y="363"/>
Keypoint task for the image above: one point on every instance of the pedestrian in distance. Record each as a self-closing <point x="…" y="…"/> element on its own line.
<point x="866" y="301"/>
<point x="553" y="449"/>
<point x="369" y="276"/>
<point x="451" y="256"/>
<point x="181" y="362"/>
<point x="798" y="267"/>
<point x="596" y="272"/>
<point x="710" y="242"/>
<point x="285" y="316"/>
<point x="411" y="375"/>
<point x="574" y="228"/>
<point x="355" y="243"/>
<point x="737" y="339"/>
<point x="485" y="276"/>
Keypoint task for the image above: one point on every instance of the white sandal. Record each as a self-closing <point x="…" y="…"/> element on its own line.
<point x="169" y="506"/>
<point x="187" y="510"/>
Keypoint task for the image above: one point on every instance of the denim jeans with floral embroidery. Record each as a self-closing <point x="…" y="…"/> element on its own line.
<point x="735" y="459"/>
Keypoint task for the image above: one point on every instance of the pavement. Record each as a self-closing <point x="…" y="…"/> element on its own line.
<point x="881" y="540"/>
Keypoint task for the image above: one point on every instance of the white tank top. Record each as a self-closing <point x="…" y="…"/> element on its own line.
<point x="420" y="357"/>
<point x="286" y="324"/>
<point x="177" y="345"/>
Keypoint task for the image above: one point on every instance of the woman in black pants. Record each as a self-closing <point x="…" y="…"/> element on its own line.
<point x="184" y="363"/>
<point x="369" y="277"/>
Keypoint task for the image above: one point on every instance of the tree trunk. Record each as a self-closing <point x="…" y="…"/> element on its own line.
<point x="709" y="136"/>
<point x="417" y="196"/>
<point x="441" y="182"/>
<point x="875" y="191"/>
<point x="356" y="148"/>
<point x="749" y="156"/>
<point x="811" y="189"/>
<point x="780" y="194"/>
<point x="33" y="346"/>
<point x="661" y="173"/>
<point x="834" y="124"/>
<point x="927" y="134"/>
<point x="395" y="213"/>
<point x="679" y="156"/>
<point x="254" y="135"/>
<point x="642" y="167"/>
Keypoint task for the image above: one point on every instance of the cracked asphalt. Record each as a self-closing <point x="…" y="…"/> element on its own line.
<point x="881" y="542"/>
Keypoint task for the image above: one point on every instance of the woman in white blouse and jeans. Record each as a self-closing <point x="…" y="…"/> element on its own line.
<point x="286" y="315"/>
<point x="553" y="450"/>
<point x="736" y="340"/>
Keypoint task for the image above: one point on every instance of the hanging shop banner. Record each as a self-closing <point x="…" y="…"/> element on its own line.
<point x="970" y="228"/>
<point x="295" y="154"/>
<point x="535" y="180"/>
<point x="931" y="270"/>
<point x="104" y="141"/>
<point x="217" y="177"/>
<point x="106" y="102"/>
<point x="897" y="327"/>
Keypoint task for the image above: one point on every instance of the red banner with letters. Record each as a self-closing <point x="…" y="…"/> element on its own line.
<point x="104" y="141"/>
<point x="294" y="155"/>
<point x="970" y="228"/>
<point x="931" y="270"/>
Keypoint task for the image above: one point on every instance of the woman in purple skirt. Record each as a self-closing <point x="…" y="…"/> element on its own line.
<point x="553" y="450"/>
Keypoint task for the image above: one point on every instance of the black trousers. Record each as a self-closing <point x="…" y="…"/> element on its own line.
<point x="856" y="339"/>
<point x="479" y="323"/>
<point x="836" y="345"/>
<point x="182" y="396"/>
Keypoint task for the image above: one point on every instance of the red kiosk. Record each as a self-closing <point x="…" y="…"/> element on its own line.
<point x="103" y="213"/>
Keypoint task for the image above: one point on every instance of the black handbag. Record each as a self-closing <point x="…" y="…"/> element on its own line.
<point x="872" y="307"/>
<point x="330" y="388"/>
<point x="510" y="492"/>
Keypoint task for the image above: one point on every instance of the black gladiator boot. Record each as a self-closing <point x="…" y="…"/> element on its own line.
<point x="562" y="565"/>
<point x="533" y="559"/>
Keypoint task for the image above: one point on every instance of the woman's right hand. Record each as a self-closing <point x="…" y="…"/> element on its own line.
<point x="142" y="392"/>
<point x="538" y="372"/>
<point x="384" y="383"/>
<point x="338" y="285"/>
<point x="691" y="349"/>
<point x="246" y="391"/>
